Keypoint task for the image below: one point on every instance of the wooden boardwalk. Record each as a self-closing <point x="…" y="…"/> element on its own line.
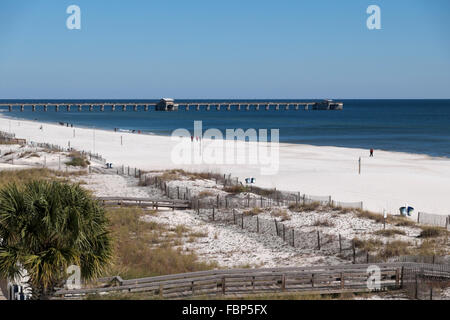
<point x="314" y="280"/>
<point x="144" y="202"/>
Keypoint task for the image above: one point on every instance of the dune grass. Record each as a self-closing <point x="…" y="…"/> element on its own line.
<point x="26" y="175"/>
<point x="145" y="249"/>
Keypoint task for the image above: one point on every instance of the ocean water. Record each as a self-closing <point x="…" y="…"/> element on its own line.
<point x="416" y="126"/>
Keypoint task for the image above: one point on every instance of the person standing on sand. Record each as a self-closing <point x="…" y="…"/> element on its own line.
<point x="371" y="152"/>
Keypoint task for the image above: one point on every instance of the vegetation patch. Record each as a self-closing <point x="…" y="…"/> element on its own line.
<point x="307" y="207"/>
<point x="368" y="245"/>
<point x="281" y="214"/>
<point x="432" y="232"/>
<point x="145" y="249"/>
<point x="365" y="214"/>
<point x="77" y="160"/>
<point x="389" y="232"/>
<point x="205" y="194"/>
<point x="395" y="249"/>
<point x="323" y="223"/>
<point x="236" y="189"/>
<point x="253" y="212"/>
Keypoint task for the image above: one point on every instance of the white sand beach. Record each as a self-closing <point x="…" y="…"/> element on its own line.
<point x="388" y="181"/>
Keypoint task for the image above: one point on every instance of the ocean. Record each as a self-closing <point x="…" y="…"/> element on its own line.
<point x="415" y="126"/>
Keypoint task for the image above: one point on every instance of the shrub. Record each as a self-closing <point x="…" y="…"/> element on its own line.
<point x="389" y="232"/>
<point x="235" y="189"/>
<point x="307" y="207"/>
<point x="431" y="232"/>
<point x="379" y="218"/>
<point x="323" y="223"/>
<point x="395" y="249"/>
<point x="281" y="213"/>
<point x="205" y="194"/>
<point x="253" y="212"/>
<point x="368" y="245"/>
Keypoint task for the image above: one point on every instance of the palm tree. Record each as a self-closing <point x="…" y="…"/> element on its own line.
<point x="46" y="226"/>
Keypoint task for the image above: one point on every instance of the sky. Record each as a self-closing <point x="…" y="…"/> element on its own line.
<point x="231" y="49"/>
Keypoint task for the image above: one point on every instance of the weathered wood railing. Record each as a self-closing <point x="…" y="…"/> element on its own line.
<point x="318" y="279"/>
<point x="144" y="202"/>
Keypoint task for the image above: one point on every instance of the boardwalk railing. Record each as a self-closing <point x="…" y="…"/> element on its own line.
<point x="144" y="202"/>
<point x="317" y="279"/>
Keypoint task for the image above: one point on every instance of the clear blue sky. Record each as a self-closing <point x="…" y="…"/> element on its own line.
<point x="225" y="49"/>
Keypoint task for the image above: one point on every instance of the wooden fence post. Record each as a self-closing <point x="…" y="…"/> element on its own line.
<point x="257" y="224"/>
<point x="283" y="282"/>
<point x="340" y="243"/>
<point x="223" y="286"/>
<point x="242" y="219"/>
<point x="218" y="201"/>
<point x="318" y="239"/>
<point x="418" y="217"/>
<point x="213" y="214"/>
<point x="284" y="233"/>
<point x="354" y="252"/>
<point x="293" y="239"/>
<point x="276" y="226"/>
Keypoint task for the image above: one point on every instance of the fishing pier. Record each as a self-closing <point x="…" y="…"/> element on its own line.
<point x="170" y="105"/>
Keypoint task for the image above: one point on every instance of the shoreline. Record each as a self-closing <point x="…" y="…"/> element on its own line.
<point x="148" y="133"/>
<point x="388" y="181"/>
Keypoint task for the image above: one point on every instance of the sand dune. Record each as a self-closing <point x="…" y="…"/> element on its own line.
<point x="387" y="181"/>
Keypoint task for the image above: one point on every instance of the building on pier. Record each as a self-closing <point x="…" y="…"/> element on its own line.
<point x="166" y="104"/>
<point x="328" y="105"/>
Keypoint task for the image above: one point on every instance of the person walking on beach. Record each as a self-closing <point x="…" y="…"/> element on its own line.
<point x="371" y="152"/>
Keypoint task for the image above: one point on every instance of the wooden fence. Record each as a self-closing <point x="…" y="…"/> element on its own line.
<point x="434" y="219"/>
<point x="314" y="280"/>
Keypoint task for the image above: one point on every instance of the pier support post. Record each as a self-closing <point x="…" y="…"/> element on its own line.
<point x="287" y="107"/>
<point x="124" y="107"/>
<point x="57" y="108"/>
<point x="257" y="107"/>
<point x="10" y="108"/>
<point x="45" y="107"/>
<point x="33" y="108"/>
<point x="247" y="107"/>
<point x="102" y="107"/>
<point x="296" y="107"/>
<point x="68" y="108"/>
<point x="197" y="107"/>
<point x="146" y="107"/>
<point x="238" y="108"/>
<point x="229" y="107"/>
<point x="267" y="107"/>
<point x="208" y="107"/>
<point x="277" y="107"/>
<point x="218" y="107"/>
<point x="135" y="107"/>
<point x="91" y="108"/>
<point x="113" y="107"/>
<point x="187" y="107"/>
<point x="22" y="107"/>
<point x="80" y="108"/>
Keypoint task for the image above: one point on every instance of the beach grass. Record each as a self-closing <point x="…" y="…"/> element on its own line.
<point x="25" y="175"/>
<point x="145" y="249"/>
